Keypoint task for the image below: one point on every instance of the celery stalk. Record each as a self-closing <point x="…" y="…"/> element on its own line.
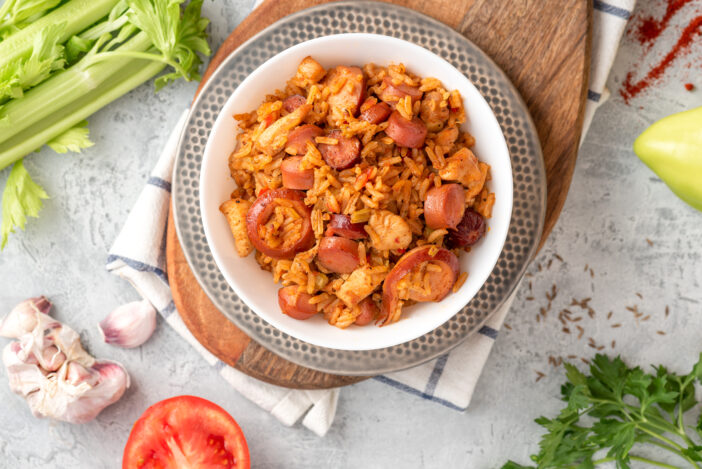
<point x="132" y="73"/>
<point x="61" y="89"/>
<point x="76" y="14"/>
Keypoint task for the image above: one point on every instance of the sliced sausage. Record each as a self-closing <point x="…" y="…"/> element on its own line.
<point x="369" y="311"/>
<point x="468" y="232"/>
<point x="376" y="114"/>
<point x="352" y="89"/>
<point x="432" y="112"/>
<point x="440" y="281"/>
<point x="294" y="177"/>
<point x="293" y="102"/>
<point x="405" y="133"/>
<point x="344" y="154"/>
<point x="444" y="206"/>
<point x="341" y="225"/>
<point x="260" y="212"/>
<point x="393" y="93"/>
<point x="338" y="255"/>
<point x="298" y="138"/>
<point x="296" y="304"/>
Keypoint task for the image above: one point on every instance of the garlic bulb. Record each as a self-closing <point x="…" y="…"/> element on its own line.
<point x="129" y="325"/>
<point x="48" y="366"/>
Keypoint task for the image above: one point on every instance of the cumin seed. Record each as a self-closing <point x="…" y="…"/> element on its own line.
<point x="660" y="332"/>
<point x="558" y="257"/>
<point x="585" y="360"/>
<point x="507" y="326"/>
<point x="614" y="343"/>
<point x="614" y="326"/>
<point x="650" y="243"/>
<point x="609" y="315"/>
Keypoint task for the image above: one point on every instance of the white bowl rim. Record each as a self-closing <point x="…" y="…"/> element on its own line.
<point x="278" y="320"/>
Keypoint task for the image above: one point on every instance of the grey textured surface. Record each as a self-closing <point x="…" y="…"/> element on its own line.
<point x="615" y="204"/>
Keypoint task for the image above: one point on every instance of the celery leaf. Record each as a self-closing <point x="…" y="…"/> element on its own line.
<point x="47" y="56"/>
<point x="21" y="198"/>
<point x="14" y="12"/>
<point x="74" y="139"/>
<point x="177" y="39"/>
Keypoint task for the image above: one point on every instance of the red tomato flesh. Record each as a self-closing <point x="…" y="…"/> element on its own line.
<point x="186" y="432"/>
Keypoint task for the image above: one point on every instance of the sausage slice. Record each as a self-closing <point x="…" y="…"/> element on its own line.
<point x="294" y="177"/>
<point x="444" y="206"/>
<point x="293" y="102"/>
<point x="344" y="154"/>
<point x="393" y="93"/>
<point x="405" y="133"/>
<point x="296" y="304"/>
<point x="338" y="255"/>
<point x="298" y="138"/>
<point x="369" y="311"/>
<point x="376" y="113"/>
<point x="341" y="225"/>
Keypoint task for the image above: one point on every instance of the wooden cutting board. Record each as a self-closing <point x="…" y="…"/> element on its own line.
<point x="543" y="46"/>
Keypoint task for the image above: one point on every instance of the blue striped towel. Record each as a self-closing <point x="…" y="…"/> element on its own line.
<point x="138" y="255"/>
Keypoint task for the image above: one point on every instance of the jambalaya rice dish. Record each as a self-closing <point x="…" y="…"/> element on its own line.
<point x="357" y="190"/>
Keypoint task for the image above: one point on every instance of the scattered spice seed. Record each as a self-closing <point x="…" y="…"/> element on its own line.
<point x="576" y="319"/>
<point x="601" y="347"/>
<point x="609" y="315"/>
<point x="592" y="273"/>
<point x="548" y="265"/>
<point x="507" y="326"/>
<point x="639" y="295"/>
<point x="530" y="285"/>
<point x="539" y="375"/>
<point x="538" y="266"/>
<point x="529" y="298"/>
<point x="650" y="243"/>
<point x="538" y="318"/>
<point x="614" y="343"/>
<point x="566" y="330"/>
<point x="572" y="357"/>
<point x="586" y="267"/>
<point x="667" y="311"/>
<point x="585" y="360"/>
<point x="646" y="318"/>
<point x="543" y="312"/>
<point x="581" y="331"/>
<point x="660" y="332"/>
<point x="558" y="257"/>
<point x="528" y="274"/>
<point x="591" y="313"/>
<point x="614" y="326"/>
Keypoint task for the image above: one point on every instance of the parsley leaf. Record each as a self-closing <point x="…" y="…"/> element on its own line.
<point x="21" y="198"/>
<point x="74" y="139"/>
<point x="614" y="410"/>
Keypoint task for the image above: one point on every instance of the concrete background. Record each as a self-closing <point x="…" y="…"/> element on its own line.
<point x="615" y="204"/>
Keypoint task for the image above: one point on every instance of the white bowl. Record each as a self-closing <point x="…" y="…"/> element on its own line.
<point x="255" y="286"/>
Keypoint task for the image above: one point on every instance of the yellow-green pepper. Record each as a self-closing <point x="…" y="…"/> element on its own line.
<point x="672" y="148"/>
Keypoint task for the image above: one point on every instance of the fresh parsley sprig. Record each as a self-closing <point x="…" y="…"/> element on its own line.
<point x="614" y="410"/>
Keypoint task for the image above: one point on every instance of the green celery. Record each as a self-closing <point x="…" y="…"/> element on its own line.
<point x="132" y="73"/>
<point x="61" y="89"/>
<point x="76" y="14"/>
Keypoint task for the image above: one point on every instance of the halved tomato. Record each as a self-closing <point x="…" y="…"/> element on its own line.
<point x="186" y="432"/>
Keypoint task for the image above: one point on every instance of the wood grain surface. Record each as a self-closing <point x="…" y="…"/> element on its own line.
<point x="542" y="45"/>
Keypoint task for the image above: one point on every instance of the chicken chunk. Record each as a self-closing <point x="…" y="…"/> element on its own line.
<point x="447" y="137"/>
<point x="462" y="166"/>
<point x="388" y="231"/>
<point x="273" y="139"/>
<point x="235" y="210"/>
<point x="434" y="111"/>
<point x="359" y="285"/>
<point x="309" y="72"/>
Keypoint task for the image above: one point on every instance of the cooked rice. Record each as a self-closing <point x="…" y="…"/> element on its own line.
<point x="388" y="178"/>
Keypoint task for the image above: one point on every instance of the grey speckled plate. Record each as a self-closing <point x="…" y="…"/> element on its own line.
<point x="527" y="162"/>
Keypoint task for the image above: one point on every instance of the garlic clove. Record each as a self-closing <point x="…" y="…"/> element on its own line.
<point x="101" y="385"/>
<point x="76" y="374"/>
<point x="129" y="325"/>
<point x="23" y="317"/>
<point x="52" y="358"/>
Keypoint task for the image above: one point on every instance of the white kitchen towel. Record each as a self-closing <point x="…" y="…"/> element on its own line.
<point x="138" y="255"/>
